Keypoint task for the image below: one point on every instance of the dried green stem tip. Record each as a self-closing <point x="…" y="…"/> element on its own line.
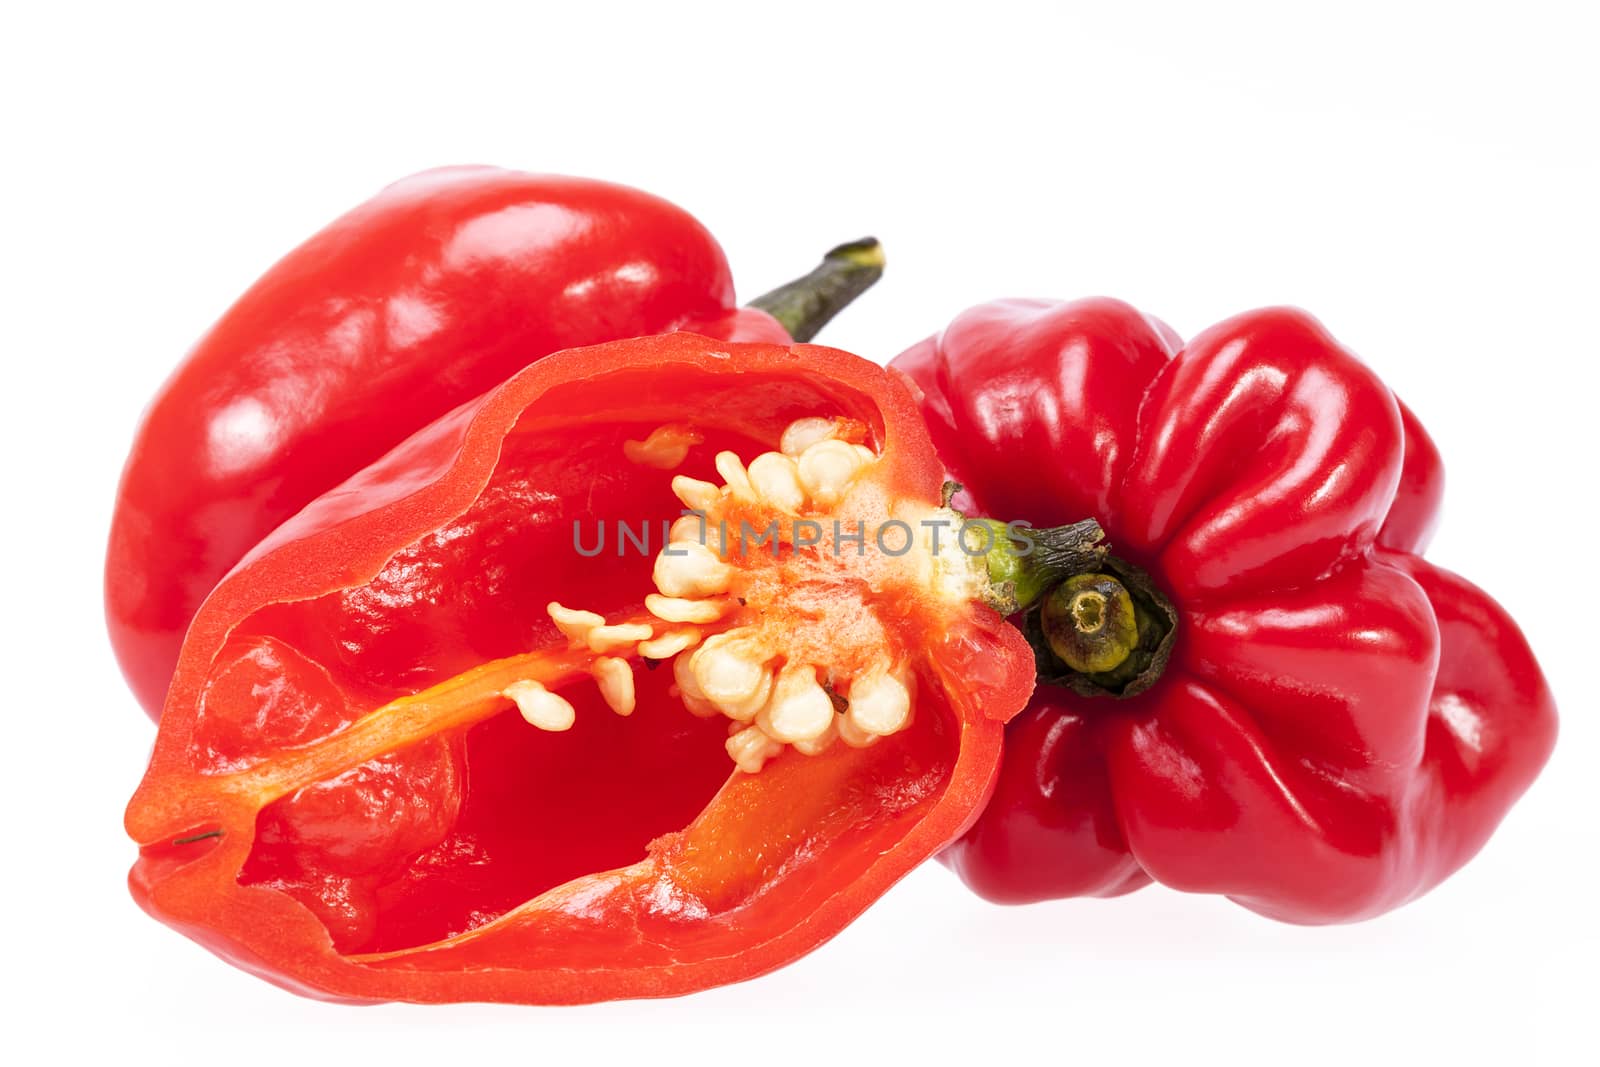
<point x="1024" y="562"/>
<point x="1090" y="623"/>
<point x="807" y="304"/>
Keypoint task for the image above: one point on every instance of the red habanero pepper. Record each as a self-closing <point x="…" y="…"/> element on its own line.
<point x="1339" y="725"/>
<point x="423" y="745"/>
<point x="441" y="286"/>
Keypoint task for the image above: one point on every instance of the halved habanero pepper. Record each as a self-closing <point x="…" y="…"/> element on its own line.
<point x="496" y="720"/>
<point x="1312" y="719"/>
<point x="436" y="289"/>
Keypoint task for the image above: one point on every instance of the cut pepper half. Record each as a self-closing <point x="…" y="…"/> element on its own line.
<point x="640" y="674"/>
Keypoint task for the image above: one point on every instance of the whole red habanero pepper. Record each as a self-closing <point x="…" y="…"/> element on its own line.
<point x="1314" y="721"/>
<point x="452" y="733"/>
<point x="444" y="284"/>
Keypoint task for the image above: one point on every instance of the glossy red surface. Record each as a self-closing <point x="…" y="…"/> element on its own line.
<point x="1342" y="725"/>
<point x="442" y="285"/>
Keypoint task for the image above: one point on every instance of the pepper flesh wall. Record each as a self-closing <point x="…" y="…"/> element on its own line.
<point x="425" y="738"/>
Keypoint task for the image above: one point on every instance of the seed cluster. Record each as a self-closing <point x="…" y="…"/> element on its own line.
<point x="739" y="673"/>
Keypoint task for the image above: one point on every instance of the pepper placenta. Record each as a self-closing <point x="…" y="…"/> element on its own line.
<point x="455" y="732"/>
<point x="1312" y="719"/>
<point x="438" y="288"/>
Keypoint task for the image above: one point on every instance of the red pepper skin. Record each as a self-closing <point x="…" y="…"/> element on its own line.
<point x="1342" y="725"/>
<point x="442" y="554"/>
<point x="439" y="287"/>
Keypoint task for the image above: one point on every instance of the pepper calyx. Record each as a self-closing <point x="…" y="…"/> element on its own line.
<point x="1097" y="649"/>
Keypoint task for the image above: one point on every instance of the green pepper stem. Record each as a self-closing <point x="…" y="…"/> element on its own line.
<point x="807" y="304"/>
<point x="1024" y="562"/>
<point x="1098" y="625"/>
<point x="1090" y="623"/>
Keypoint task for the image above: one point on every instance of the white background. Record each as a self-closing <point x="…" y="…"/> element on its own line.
<point x="1423" y="178"/>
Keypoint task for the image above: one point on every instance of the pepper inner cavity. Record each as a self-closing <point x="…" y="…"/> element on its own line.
<point x="770" y="600"/>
